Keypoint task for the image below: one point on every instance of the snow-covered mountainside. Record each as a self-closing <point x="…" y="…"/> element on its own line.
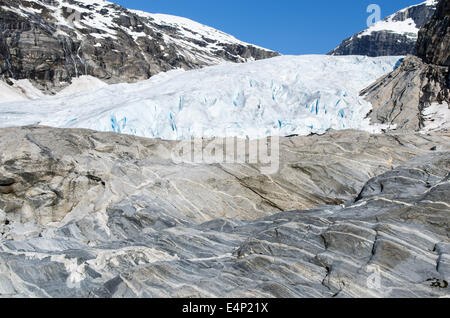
<point x="51" y="42"/>
<point x="279" y="96"/>
<point x="395" y="35"/>
<point x="416" y="96"/>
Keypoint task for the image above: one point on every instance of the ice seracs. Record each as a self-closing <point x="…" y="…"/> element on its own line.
<point x="279" y="96"/>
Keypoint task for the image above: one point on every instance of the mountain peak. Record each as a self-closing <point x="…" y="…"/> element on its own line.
<point x="395" y="35"/>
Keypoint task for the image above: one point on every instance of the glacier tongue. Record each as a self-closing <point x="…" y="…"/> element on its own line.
<point x="279" y="96"/>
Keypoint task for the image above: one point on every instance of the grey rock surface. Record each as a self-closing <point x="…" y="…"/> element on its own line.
<point x="400" y="97"/>
<point x="50" y="42"/>
<point x="89" y="214"/>
<point x="388" y="42"/>
<point x="50" y="173"/>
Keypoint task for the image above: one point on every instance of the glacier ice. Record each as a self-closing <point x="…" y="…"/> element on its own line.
<point x="280" y="96"/>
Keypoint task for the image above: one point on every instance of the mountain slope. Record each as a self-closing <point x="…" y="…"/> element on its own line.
<point x="395" y="35"/>
<point x="279" y="96"/>
<point x="417" y="94"/>
<point x="51" y="42"/>
<point x="433" y="45"/>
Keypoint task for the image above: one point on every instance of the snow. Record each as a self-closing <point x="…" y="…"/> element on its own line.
<point x="407" y="27"/>
<point x="185" y="33"/>
<point x="94" y="19"/>
<point x="21" y="90"/>
<point x="83" y="83"/>
<point x="189" y="33"/>
<point x="279" y="96"/>
<point x="437" y="117"/>
<point x="27" y="89"/>
<point x="8" y="93"/>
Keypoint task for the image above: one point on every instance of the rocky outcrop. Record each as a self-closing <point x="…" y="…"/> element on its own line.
<point x="51" y="42"/>
<point x="402" y="97"/>
<point x="380" y="43"/>
<point x="395" y="36"/>
<point x="47" y="174"/>
<point x="88" y="214"/>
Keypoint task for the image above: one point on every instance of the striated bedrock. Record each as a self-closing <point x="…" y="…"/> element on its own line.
<point x="402" y="97"/>
<point x="394" y="36"/>
<point x="49" y="174"/>
<point x="88" y="214"/>
<point x="50" y="42"/>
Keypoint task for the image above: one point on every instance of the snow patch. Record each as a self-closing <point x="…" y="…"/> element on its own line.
<point x="83" y="83"/>
<point x="21" y="90"/>
<point x="437" y="117"/>
<point x="407" y="27"/>
<point x="9" y="93"/>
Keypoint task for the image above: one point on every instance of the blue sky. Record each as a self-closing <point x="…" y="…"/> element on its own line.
<point x="286" y="26"/>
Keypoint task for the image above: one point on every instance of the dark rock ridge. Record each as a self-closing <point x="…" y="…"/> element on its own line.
<point x="52" y="41"/>
<point x="89" y="214"/>
<point x="433" y="45"/>
<point x="389" y="39"/>
<point x="402" y="97"/>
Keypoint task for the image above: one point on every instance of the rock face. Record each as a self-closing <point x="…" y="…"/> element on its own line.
<point x="51" y="42"/>
<point x="433" y="45"/>
<point x="401" y="98"/>
<point x="396" y="35"/>
<point x="88" y="214"/>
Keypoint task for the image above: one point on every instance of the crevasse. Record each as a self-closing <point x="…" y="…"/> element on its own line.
<point x="286" y="95"/>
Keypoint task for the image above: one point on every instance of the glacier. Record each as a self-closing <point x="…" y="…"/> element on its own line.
<point x="281" y="96"/>
<point x="406" y="27"/>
